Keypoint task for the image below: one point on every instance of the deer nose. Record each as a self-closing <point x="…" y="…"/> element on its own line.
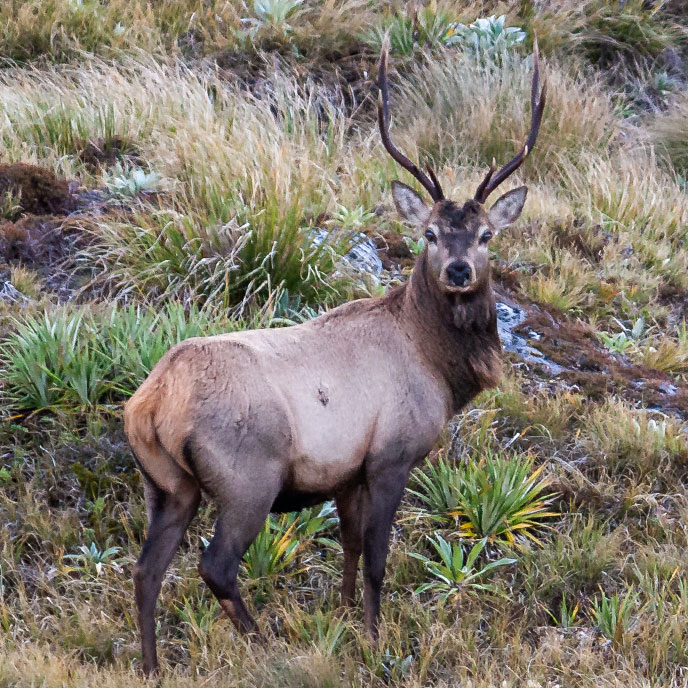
<point x="459" y="273"/>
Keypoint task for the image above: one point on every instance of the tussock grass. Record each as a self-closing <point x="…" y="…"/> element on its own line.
<point x="626" y="441"/>
<point x="603" y="31"/>
<point x="62" y="29"/>
<point x="667" y="353"/>
<point x="461" y="110"/>
<point x="669" y="133"/>
<point x="643" y="212"/>
<point x="563" y="283"/>
<point x="248" y="191"/>
<point x="574" y="563"/>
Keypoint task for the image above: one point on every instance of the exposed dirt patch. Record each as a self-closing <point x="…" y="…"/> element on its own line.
<point x="46" y="244"/>
<point x="588" y="244"/>
<point x="101" y="152"/>
<point x="394" y="252"/>
<point x="573" y="345"/>
<point x="39" y="190"/>
<point x="33" y="240"/>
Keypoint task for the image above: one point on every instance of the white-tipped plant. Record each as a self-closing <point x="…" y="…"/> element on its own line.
<point x="130" y="181"/>
<point x="487" y="36"/>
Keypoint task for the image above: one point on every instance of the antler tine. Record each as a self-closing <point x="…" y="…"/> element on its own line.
<point x="431" y="183"/>
<point x="435" y="182"/>
<point x="537" y="106"/>
<point x="486" y="180"/>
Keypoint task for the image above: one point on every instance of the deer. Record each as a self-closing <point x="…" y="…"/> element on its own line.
<point x="340" y="407"/>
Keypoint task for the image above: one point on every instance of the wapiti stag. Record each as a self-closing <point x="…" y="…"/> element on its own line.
<point x="341" y="407"/>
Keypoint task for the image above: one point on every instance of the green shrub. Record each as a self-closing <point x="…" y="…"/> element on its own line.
<point x="501" y="498"/>
<point x="455" y="571"/>
<point x="277" y="546"/>
<point x="53" y="359"/>
<point x="488" y="37"/>
<point x="417" y="29"/>
<point x="128" y="181"/>
<point x="276" y="12"/>
<point x="273" y="550"/>
<point x="498" y="497"/>
<point x="438" y="486"/>
<point x="78" y="358"/>
<point x="614" y="615"/>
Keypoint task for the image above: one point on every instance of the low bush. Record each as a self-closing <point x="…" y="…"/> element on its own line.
<point x="497" y="497"/>
<point x="82" y="358"/>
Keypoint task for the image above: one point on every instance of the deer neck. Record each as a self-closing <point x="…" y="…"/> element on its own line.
<point x="457" y="333"/>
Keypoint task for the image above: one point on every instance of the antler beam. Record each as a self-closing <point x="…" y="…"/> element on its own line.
<point x="492" y="180"/>
<point x="430" y="183"/>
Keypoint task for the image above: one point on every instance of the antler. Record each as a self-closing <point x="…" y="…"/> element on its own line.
<point x="492" y="180"/>
<point x="431" y="183"/>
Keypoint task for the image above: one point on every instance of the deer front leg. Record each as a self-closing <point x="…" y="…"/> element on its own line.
<point x="350" y="526"/>
<point x="381" y="500"/>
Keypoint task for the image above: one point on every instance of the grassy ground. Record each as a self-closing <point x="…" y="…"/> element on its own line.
<point x="178" y="159"/>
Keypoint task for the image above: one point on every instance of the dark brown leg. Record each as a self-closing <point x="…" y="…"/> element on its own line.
<point x="380" y="502"/>
<point x="219" y="567"/>
<point x="171" y="515"/>
<point x="243" y="491"/>
<point x="349" y="510"/>
<point x="236" y="528"/>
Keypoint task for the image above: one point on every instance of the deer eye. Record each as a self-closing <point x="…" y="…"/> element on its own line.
<point x="485" y="237"/>
<point x="430" y="236"/>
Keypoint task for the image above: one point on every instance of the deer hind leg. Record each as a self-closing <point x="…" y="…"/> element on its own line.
<point x="350" y="526"/>
<point x="243" y="503"/>
<point x="219" y="566"/>
<point x="170" y="515"/>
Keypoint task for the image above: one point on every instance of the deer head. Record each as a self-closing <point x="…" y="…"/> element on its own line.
<point x="457" y="235"/>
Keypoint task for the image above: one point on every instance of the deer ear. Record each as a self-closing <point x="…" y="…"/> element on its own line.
<point x="409" y="204"/>
<point x="508" y="207"/>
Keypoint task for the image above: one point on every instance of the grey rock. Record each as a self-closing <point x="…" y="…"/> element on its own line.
<point x="508" y="319"/>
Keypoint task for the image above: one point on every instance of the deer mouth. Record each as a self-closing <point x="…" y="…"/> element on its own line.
<point x="450" y="289"/>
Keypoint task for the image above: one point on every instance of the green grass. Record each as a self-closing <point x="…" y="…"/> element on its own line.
<point x="80" y="358"/>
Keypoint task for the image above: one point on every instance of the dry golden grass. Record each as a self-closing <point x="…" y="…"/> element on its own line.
<point x="460" y="111"/>
<point x="669" y="132"/>
<point x="636" y="442"/>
